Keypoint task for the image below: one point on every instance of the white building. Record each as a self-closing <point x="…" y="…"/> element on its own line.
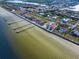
<point x="74" y="8"/>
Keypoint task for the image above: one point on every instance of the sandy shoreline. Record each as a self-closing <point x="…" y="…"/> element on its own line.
<point x="35" y="43"/>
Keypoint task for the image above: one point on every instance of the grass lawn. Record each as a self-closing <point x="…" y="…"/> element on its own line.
<point x="39" y="17"/>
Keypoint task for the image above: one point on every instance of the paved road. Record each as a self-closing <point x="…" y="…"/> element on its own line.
<point x="35" y="43"/>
